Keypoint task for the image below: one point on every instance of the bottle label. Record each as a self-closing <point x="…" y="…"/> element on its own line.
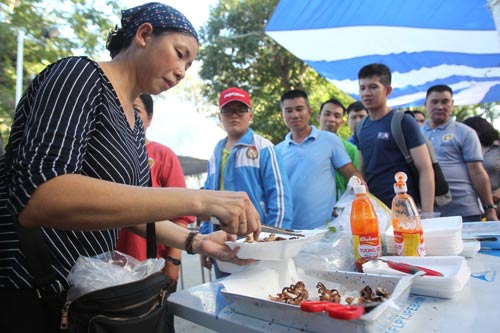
<point x="409" y="244"/>
<point x="367" y="246"/>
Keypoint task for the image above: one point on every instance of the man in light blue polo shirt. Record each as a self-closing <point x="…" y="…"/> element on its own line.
<point x="459" y="153"/>
<point x="311" y="157"/>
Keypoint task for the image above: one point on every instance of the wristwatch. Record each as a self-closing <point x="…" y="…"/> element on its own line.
<point x="490" y="207"/>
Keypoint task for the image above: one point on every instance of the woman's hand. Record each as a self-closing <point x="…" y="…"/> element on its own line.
<point x="213" y="245"/>
<point x="234" y="210"/>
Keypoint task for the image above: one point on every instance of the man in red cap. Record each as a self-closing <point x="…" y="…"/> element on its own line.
<point x="245" y="161"/>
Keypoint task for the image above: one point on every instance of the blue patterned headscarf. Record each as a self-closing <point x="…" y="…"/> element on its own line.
<point x="159" y="15"/>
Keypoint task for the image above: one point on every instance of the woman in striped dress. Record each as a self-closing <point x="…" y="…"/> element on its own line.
<point x="77" y="166"/>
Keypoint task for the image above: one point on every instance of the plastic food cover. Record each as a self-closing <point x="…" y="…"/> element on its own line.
<point x="108" y="269"/>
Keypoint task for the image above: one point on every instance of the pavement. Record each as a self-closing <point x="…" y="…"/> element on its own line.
<point x="191" y="275"/>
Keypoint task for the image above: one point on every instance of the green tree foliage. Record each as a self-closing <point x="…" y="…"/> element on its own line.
<point x="53" y="29"/>
<point x="236" y="52"/>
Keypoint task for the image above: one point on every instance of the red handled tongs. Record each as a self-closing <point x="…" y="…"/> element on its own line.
<point x="410" y="269"/>
<point x="334" y="310"/>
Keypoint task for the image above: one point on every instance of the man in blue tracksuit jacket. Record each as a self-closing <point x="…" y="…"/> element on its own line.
<point x="245" y="161"/>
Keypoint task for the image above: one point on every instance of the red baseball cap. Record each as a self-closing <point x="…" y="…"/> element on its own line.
<point x="234" y="94"/>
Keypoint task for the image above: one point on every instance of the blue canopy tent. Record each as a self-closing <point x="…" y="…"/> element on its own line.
<point x="424" y="42"/>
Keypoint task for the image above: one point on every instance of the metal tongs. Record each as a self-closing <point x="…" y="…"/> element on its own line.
<point x="268" y="228"/>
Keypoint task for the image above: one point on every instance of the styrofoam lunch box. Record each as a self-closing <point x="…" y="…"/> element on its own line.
<point x="275" y="250"/>
<point x="454" y="268"/>
<point x="442" y="236"/>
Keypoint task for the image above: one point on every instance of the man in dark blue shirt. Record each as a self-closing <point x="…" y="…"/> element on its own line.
<point x="380" y="155"/>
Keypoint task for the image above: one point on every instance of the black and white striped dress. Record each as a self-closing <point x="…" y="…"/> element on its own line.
<point x="69" y="121"/>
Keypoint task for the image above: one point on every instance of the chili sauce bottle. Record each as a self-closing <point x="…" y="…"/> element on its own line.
<point x="408" y="234"/>
<point x="364" y="226"/>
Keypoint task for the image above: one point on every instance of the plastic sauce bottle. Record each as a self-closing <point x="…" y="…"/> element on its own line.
<point x="408" y="234"/>
<point x="364" y="226"/>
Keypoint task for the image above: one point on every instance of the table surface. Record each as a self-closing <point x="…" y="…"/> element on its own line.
<point x="475" y="308"/>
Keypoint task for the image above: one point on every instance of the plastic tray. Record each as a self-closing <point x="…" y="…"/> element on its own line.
<point x="454" y="268"/>
<point x="487" y="232"/>
<point x="277" y="250"/>
<point x="251" y="299"/>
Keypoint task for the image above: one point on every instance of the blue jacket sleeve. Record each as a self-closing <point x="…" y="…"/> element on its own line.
<point x="206" y="228"/>
<point x="277" y="191"/>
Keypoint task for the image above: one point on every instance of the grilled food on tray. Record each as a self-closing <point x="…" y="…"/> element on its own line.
<point x="297" y="293"/>
<point x="271" y="238"/>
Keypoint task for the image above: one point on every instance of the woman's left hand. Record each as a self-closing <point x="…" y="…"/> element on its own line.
<point x="213" y="245"/>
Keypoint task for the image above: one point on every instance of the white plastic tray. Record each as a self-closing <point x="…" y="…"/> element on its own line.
<point x="249" y="293"/>
<point x="487" y="232"/>
<point x="277" y="250"/>
<point x="454" y="268"/>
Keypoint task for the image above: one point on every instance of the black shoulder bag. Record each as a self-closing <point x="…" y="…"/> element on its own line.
<point x="138" y="306"/>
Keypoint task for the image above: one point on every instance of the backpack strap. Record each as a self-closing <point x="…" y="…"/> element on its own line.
<point x="432" y="152"/>
<point x="397" y="133"/>
<point x="359" y="126"/>
<point x="399" y="137"/>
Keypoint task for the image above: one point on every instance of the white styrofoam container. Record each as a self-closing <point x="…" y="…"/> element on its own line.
<point x="470" y="248"/>
<point x="277" y="250"/>
<point x="252" y="299"/>
<point x="442" y="236"/>
<point x="228" y="267"/>
<point x="454" y="268"/>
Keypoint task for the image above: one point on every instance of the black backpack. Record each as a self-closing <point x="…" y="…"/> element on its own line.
<point x="442" y="191"/>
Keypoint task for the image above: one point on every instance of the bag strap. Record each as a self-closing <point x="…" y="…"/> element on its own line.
<point x="397" y="134"/>
<point x="432" y="152"/>
<point x="36" y="250"/>
<point x="151" y="232"/>
<point x="359" y="126"/>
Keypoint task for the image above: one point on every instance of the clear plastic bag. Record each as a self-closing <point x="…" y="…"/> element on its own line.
<point x="335" y="250"/>
<point x="332" y="252"/>
<point x="343" y="212"/>
<point x="108" y="269"/>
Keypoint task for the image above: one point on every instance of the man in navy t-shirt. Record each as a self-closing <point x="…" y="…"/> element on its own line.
<point x="380" y="155"/>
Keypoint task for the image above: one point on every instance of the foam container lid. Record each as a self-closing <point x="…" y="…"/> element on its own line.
<point x="454" y="268"/>
<point x="470" y="248"/>
<point x="442" y="236"/>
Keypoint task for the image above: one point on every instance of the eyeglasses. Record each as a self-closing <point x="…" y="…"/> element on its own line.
<point x="237" y="111"/>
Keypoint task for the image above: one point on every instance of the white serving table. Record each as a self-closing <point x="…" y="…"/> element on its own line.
<point x="475" y="309"/>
